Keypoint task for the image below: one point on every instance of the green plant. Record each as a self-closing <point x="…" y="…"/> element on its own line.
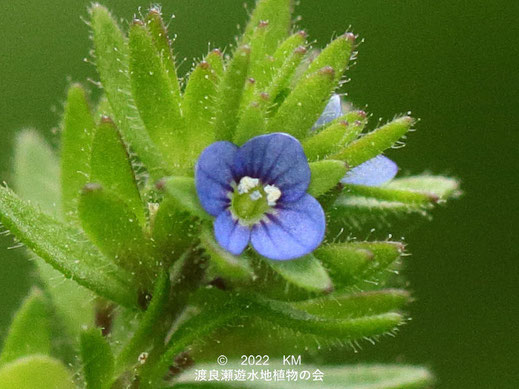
<point x="139" y="288"/>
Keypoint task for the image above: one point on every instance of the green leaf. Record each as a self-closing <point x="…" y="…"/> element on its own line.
<point x="285" y="315"/>
<point x="103" y="108"/>
<point x="352" y="262"/>
<point x="66" y="249"/>
<point x="362" y="376"/>
<point x="183" y="191"/>
<point x="74" y="304"/>
<point x="346" y="305"/>
<point x="344" y="262"/>
<point x="305" y="272"/>
<point x="360" y="215"/>
<point x="343" y="329"/>
<point x="384" y="254"/>
<point x="325" y="175"/>
<point x="198" y="103"/>
<point x="252" y="120"/>
<point x="285" y="49"/>
<point x="112" y="54"/>
<point x="439" y="186"/>
<point x="336" y="55"/>
<point x="335" y="136"/>
<point x="30" y="330"/>
<point x="36" y="169"/>
<point x="230" y="92"/>
<point x="157" y="100"/>
<point x="111" y="167"/>
<point x="114" y="228"/>
<point x="392" y="195"/>
<point x="143" y="335"/>
<point x="97" y="359"/>
<point x="216" y="313"/>
<point x="37" y="180"/>
<point x="76" y="143"/>
<point x="304" y="105"/>
<point x="278" y="15"/>
<point x="174" y="230"/>
<point x="280" y="85"/>
<point x="35" y="372"/>
<point x="228" y="266"/>
<point x="258" y="52"/>
<point x="375" y="142"/>
<point x="215" y="60"/>
<point x="159" y="33"/>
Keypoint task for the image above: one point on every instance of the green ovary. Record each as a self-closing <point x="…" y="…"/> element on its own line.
<point x="251" y="200"/>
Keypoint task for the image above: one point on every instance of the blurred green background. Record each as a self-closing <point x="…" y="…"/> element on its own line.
<point x="454" y="64"/>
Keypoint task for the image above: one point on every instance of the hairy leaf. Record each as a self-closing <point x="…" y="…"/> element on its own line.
<point x="229" y="95"/>
<point x="361" y="376"/>
<point x="37" y="180"/>
<point x="305" y="272"/>
<point x="226" y="265"/>
<point x="375" y="142"/>
<point x="157" y="100"/>
<point x="111" y="168"/>
<point x="216" y="313"/>
<point x="35" y="372"/>
<point x="352" y="262"/>
<point x="285" y="49"/>
<point x="325" y="175"/>
<point x="304" y="105"/>
<point x="30" y="330"/>
<point x="252" y="120"/>
<point x="142" y="337"/>
<point x="336" y="55"/>
<point x="65" y="248"/>
<point x="280" y="85"/>
<point x="182" y="190"/>
<point x="76" y="143"/>
<point x="392" y="195"/>
<point x="198" y="105"/>
<point x="439" y="186"/>
<point x="97" y="359"/>
<point x="174" y="230"/>
<point x="36" y="170"/>
<point x="113" y="228"/>
<point x="335" y="136"/>
<point x="277" y="13"/>
<point x="112" y="57"/>
<point x="346" y="305"/>
<point x="159" y="33"/>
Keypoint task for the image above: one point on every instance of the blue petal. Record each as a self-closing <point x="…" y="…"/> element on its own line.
<point x="230" y="234"/>
<point x="373" y="172"/>
<point x="295" y="230"/>
<point x="332" y="111"/>
<point x="213" y="176"/>
<point x="276" y="159"/>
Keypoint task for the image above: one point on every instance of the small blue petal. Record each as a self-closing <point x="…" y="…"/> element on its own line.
<point x="213" y="176"/>
<point x="373" y="172"/>
<point x="296" y="229"/>
<point x="230" y="234"/>
<point x="276" y="159"/>
<point x="332" y="111"/>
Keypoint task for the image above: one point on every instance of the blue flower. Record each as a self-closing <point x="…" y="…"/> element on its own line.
<point x="373" y="172"/>
<point x="257" y="192"/>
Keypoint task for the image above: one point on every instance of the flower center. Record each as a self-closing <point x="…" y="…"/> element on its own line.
<point x="251" y="199"/>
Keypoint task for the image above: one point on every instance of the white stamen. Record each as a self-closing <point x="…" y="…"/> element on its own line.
<point x="273" y="194"/>
<point x="256" y="195"/>
<point x="246" y="184"/>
